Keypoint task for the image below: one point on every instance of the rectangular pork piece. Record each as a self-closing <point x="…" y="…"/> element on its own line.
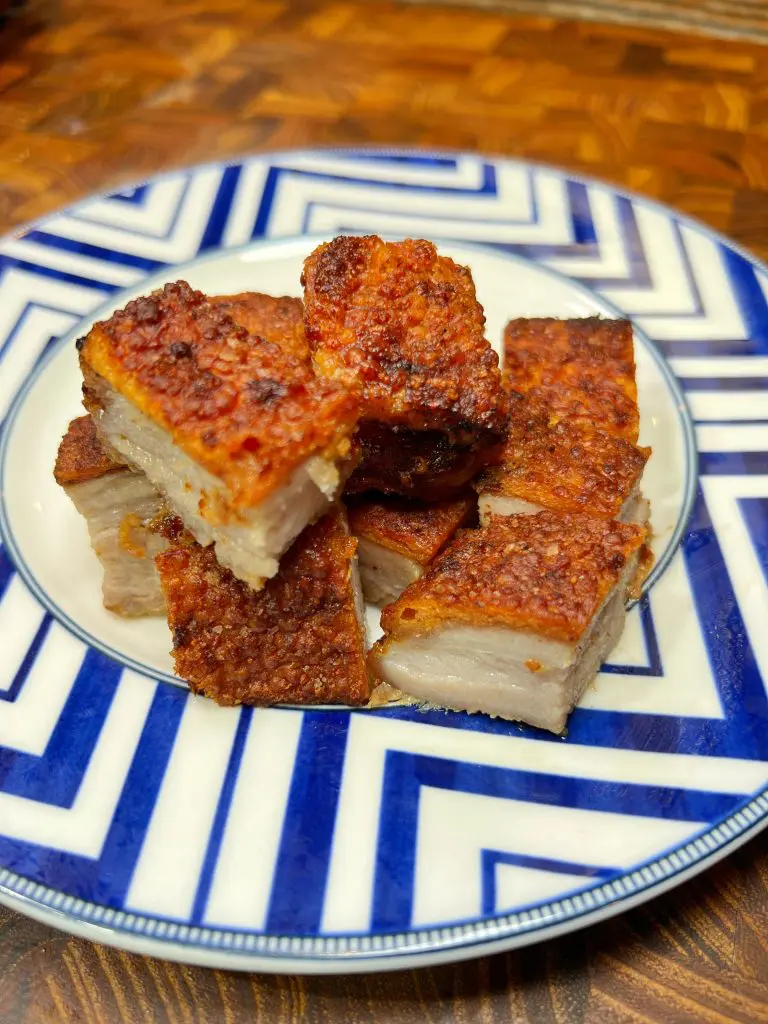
<point x="241" y="438"/>
<point x="513" y="619"/>
<point x="397" y="538"/>
<point x="564" y="468"/>
<point x="299" y="640"/>
<point x="119" y="506"/>
<point x="404" y="326"/>
<point x="582" y="371"/>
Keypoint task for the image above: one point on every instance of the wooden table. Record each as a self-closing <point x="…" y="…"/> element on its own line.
<point x="94" y="93"/>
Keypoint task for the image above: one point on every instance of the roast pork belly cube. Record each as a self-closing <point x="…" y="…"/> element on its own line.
<point x="403" y="325"/>
<point x="398" y="538"/>
<point x="579" y="370"/>
<point x="299" y="640"/>
<point x="565" y="468"/>
<point x="119" y="506"/>
<point x="244" y="442"/>
<point x="513" y="619"/>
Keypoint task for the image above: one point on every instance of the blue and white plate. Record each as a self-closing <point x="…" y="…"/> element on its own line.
<point x="334" y="840"/>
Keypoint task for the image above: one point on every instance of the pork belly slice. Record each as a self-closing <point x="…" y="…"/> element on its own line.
<point x="404" y="326"/>
<point x="580" y="370"/>
<point x="241" y="438"/>
<point x="118" y="505"/>
<point x="279" y="319"/>
<point x="397" y="538"/>
<point x="299" y="640"/>
<point x="564" y="467"/>
<point x="512" y="619"/>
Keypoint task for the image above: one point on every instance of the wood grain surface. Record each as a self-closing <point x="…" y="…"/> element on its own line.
<point x="96" y="93"/>
<point x="695" y="956"/>
<point x="734" y="19"/>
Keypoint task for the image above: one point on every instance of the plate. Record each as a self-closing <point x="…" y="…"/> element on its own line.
<point x="336" y="840"/>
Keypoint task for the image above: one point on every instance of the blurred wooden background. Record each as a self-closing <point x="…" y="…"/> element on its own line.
<point x="735" y="19"/>
<point x="97" y="93"/>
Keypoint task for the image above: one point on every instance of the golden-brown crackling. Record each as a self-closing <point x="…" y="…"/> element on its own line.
<point x="583" y="370"/>
<point x="563" y="467"/>
<point x="279" y="319"/>
<point x="249" y="413"/>
<point x="82" y="455"/>
<point x="547" y="574"/>
<point x="416" y="529"/>
<point x="404" y="325"/>
<point x="296" y="641"/>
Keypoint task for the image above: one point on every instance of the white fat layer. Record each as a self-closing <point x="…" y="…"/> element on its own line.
<point x="252" y="544"/>
<point x="384" y="573"/>
<point x="131" y="585"/>
<point x="500" y="505"/>
<point x="634" y="510"/>
<point x="483" y="668"/>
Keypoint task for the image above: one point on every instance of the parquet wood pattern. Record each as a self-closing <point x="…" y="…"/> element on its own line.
<point x="96" y="93"/>
<point x="99" y="92"/>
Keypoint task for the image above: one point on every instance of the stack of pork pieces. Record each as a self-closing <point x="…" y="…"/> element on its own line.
<point x="255" y="467"/>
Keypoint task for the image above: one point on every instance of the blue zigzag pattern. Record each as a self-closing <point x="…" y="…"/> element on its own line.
<point x="405" y="775"/>
<point x="105" y="879"/>
<point x="305" y="849"/>
<point x="491" y="859"/>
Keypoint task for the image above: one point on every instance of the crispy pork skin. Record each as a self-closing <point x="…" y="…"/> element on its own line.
<point x="241" y="438"/>
<point x="118" y="505"/>
<point x="403" y="325"/>
<point x="563" y="467"/>
<point x="278" y="319"/>
<point x="299" y="640"/>
<point x="399" y="537"/>
<point x="579" y="370"/>
<point x="512" y="619"/>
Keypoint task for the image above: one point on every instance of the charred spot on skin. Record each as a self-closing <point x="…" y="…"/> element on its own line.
<point x="80" y="343"/>
<point x="147" y="310"/>
<point x="167" y="525"/>
<point x="399" y="365"/>
<point x="180" y="350"/>
<point x="266" y="391"/>
<point x="339" y="263"/>
<point x="181" y="636"/>
<point x="409" y="613"/>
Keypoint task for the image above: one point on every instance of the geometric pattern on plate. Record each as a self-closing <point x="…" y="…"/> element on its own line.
<point x="128" y="803"/>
